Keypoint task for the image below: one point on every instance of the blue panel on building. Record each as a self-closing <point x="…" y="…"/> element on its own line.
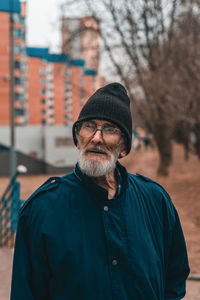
<point x="90" y="72"/>
<point x="77" y="62"/>
<point x="37" y="52"/>
<point x="10" y="6"/>
<point x="44" y="54"/>
<point x="57" y="57"/>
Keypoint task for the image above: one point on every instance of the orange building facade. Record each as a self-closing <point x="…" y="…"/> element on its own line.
<point x="19" y="67"/>
<point x="50" y="89"/>
<point x="56" y="88"/>
<point x="80" y="38"/>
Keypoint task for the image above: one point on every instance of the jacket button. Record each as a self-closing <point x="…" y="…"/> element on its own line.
<point x="53" y="180"/>
<point x="114" y="262"/>
<point x="105" y="208"/>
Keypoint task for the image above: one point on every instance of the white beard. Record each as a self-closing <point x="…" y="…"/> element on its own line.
<point x="94" y="168"/>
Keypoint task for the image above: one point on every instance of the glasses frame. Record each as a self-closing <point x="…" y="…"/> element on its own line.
<point x="79" y="125"/>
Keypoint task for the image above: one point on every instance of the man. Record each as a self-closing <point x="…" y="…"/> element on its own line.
<point x="100" y="233"/>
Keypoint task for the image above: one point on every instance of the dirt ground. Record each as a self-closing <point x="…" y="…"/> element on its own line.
<point x="183" y="185"/>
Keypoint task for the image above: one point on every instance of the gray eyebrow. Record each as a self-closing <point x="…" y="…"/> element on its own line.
<point x="106" y="123"/>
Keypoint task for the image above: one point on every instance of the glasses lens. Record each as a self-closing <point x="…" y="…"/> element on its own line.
<point x="87" y="129"/>
<point x="109" y="132"/>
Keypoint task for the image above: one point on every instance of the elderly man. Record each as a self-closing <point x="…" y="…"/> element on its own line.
<point x="100" y="233"/>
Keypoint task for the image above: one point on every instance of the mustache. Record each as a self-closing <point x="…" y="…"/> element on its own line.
<point x="97" y="148"/>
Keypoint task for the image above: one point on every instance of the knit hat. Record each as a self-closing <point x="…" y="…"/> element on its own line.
<point x="110" y="103"/>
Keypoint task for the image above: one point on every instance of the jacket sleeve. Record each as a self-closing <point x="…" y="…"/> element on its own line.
<point x="177" y="263"/>
<point x="30" y="275"/>
<point x="31" y="272"/>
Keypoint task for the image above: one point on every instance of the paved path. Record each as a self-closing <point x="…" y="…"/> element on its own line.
<point x="193" y="287"/>
<point x="6" y="255"/>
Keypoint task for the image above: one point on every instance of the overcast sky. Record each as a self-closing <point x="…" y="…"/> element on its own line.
<point x="43" y="26"/>
<point x="43" y="21"/>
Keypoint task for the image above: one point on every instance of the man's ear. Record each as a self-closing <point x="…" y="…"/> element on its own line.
<point x="122" y="154"/>
<point x="123" y="151"/>
<point x="78" y="144"/>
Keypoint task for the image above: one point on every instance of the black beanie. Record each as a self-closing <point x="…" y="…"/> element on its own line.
<point x="110" y="103"/>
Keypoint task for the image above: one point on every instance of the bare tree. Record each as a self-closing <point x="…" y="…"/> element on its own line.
<point x="147" y="43"/>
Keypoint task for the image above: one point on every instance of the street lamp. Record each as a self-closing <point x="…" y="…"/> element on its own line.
<point x="12" y="95"/>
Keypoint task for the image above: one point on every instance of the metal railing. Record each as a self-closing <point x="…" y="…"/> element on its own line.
<point x="9" y="207"/>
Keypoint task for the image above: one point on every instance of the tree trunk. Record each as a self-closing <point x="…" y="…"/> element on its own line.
<point x="164" y="144"/>
<point x="165" y="159"/>
<point x="197" y="144"/>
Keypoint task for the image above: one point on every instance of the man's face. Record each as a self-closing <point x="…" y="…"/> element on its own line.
<point x="100" y="143"/>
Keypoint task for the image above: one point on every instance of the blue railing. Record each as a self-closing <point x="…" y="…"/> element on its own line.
<point x="9" y="207"/>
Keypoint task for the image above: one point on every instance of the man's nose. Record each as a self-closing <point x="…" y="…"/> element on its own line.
<point x="97" y="136"/>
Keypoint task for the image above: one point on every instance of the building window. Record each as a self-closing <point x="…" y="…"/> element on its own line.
<point x="17" y="33"/>
<point x="67" y="99"/>
<point x="43" y="91"/>
<point x="68" y="116"/>
<point x="17" y="80"/>
<point x="19" y="112"/>
<point x="67" y="82"/>
<point x="82" y="93"/>
<point x="43" y="111"/>
<point x="43" y="101"/>
<point x="68" y="107"/>
<point x="23" y="35"/>
<point x="17" y="96"/>
<point x="24" y="66"/>
<point x="43" y="122"/>
<point x="67" y="73"/>
<point x="16" y="17"/>
<point x="22" y="20"/>
<point x="17" y="64"/>
<point x="43" y="70"/>
<point x="17" y="49"/>
<point x="67" y="91"/>
<point x="43" y="80"/>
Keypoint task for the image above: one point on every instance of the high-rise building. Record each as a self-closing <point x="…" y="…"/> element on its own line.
<point x="49" y="89"/>
<point x="57" y="88"/>
<point x="80" y="38"/>
<point x="18" y="11"/>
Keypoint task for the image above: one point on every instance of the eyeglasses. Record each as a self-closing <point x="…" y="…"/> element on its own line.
<point x="109" y="133"/>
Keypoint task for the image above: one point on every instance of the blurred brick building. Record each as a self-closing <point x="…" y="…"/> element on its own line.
<point x="57" y="87"/>
<point x="50" y="89"/>
<point x="80" y="38"/>
<point x="19" y="14"/>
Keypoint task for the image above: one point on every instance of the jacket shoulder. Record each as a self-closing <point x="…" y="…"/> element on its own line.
<point x="50" y="184"/>
<point x="154" y="185"/>
<point x="147" y="179"/>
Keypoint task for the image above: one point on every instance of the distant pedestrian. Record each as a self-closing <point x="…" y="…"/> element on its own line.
<point x="100" y="233"/>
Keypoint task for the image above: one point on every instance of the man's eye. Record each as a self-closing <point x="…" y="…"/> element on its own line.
<point x="109" y="129"/>
<point x="89" y="125"/>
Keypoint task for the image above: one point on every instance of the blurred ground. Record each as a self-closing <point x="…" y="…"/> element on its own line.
<point x="183" y="185"/>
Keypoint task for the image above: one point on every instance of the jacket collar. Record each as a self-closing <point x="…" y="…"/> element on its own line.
<point x="97" y="190"/>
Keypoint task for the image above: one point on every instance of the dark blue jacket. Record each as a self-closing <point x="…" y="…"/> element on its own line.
<point x="74" y="244"/>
